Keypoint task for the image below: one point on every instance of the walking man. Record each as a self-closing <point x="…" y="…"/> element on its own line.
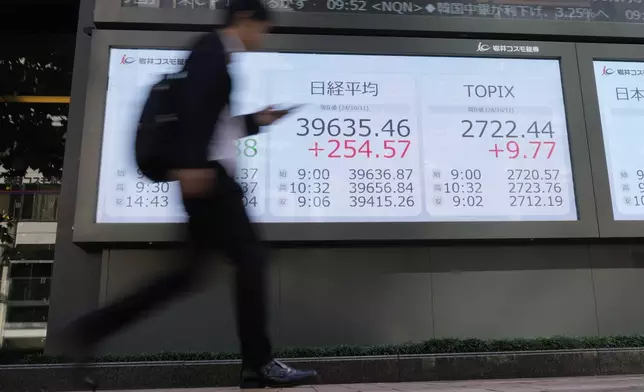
<point x="213" y="201"/>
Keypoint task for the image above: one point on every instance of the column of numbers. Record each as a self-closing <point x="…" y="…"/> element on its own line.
<point x="382" y="189"/>
<point x="456" y="188"/>
<point x="630" y="183"/>
<point x="134" y="196"/>
<point x="251" y="172"/>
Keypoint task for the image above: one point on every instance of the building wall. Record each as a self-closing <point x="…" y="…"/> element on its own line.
<point x="36" y="57"/>
<point x="36" y="233"/>
<point x="76" y="274"/>
<point x="27" y="283"/>
<point x="394" y="295"/>
<point x="328" y="296"/>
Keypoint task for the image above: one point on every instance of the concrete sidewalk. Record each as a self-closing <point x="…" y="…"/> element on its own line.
<point x="585" y="384"/>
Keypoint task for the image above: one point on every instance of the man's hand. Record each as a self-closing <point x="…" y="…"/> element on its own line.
<point x="268" y="116"/>
<point x="195" y="182"/>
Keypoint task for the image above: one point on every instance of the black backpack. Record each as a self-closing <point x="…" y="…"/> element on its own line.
<point x="157" y="129"/>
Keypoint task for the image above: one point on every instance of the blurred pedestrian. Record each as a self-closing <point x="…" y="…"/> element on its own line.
<point x="213" y="201"/>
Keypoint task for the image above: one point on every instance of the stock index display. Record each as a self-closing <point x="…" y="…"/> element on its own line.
<point x="441" y="139"/>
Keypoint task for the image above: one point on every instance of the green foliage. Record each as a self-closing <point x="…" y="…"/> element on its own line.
<point x="7" y="225"/>
<point x="32" y="136"/>
<point x="435" y="346"/>
<point x="37" y="67"/>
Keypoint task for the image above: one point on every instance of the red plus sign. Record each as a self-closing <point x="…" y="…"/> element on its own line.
<point x="496" y="150"/>
<point x="316" y="149"/>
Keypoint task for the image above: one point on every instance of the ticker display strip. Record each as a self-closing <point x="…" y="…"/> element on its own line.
<point x="616" y="11"/>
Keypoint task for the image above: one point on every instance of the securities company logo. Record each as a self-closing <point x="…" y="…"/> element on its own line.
<point x="127" y="60"/>
<point x="483" y="47"/>
<point x="607" y="71"/>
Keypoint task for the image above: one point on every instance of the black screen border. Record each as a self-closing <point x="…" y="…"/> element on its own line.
<point x="86" y="230"/>
<point x="587" y="54"/>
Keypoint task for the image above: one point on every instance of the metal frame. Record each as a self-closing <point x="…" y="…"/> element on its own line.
<point x="587" y="53"/>
<point x="111" y="12"/>
<point x="87" y="231"/>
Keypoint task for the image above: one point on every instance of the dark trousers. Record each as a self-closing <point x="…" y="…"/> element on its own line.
<point x="218" y="222"/>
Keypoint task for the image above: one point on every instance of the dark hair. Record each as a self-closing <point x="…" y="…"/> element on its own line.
<point x="255" y="8"/>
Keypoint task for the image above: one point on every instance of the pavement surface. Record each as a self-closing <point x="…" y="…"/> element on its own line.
<point x="585" y="384"/>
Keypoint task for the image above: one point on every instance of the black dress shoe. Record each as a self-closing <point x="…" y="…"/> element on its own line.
<point x="275" y="374"/>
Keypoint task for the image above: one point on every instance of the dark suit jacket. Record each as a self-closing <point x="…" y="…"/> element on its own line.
<point x="201" y="97"/>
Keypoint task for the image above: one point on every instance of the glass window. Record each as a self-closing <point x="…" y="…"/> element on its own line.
<point x="33" y="201"/>
<point x="34" y="252"/>
<point x="27" y="206"/>
<point x="42" y="270"/>
<point x="29" y="289"/>
<point x="31" y="270"/>
<point x="43" y="208"/>
<point x="19" y="289"/>
<point x="30" y="281"/>
<point x="20" y="271"/>
<point x="39" y="289"/>
<point x="27" y="314"/>
<point x="15" y="204"/>
<point x="4" y="199"/>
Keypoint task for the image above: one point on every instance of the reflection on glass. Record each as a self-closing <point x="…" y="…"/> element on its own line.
<point x="29" y="289"/>
<point x="32" y="252"/>
<point x="30" y="270"/>
<point x="27" y="314"/>
<point x="30" y="201"/>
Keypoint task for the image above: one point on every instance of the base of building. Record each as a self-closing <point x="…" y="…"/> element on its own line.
<point x="385" y="369"/>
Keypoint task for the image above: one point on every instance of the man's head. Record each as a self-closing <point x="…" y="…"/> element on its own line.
<point x="249" y="20"/>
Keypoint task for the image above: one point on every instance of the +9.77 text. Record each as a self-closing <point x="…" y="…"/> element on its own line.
<point x="527" y="150"/>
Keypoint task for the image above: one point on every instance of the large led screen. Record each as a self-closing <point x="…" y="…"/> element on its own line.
<point x="378" y="139"/>
<point x="620" y="92"/>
